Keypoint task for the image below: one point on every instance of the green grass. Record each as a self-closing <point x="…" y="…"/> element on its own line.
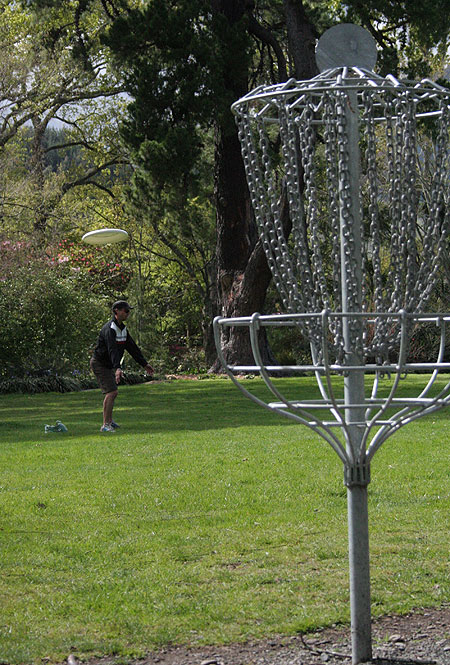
<point x="205" y="519"/>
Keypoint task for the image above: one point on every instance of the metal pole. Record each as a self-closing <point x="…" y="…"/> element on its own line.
<point x="358" y="545"/>
<point x="356" y="479"/>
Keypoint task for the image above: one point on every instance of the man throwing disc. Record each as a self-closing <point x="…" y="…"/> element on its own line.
<point x="113" y="340"/>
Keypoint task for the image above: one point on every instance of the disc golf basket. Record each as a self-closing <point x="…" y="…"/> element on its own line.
<point x="353" y="213"/>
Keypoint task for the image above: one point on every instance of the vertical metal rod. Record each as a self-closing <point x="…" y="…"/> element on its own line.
<point x="351" y="277"/>
<point x="358" y="546"/>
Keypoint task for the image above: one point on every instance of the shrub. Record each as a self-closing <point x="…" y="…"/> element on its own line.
<point x="49" y="322"/>
<point x="61" y="384"/>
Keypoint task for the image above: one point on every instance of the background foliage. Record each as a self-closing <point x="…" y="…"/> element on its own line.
<point x="108" y="117"/>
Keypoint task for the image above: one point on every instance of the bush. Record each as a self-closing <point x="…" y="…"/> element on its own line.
<point x="39" y="384"/>
<point x="50" y="324"/>
<point x="61" y="384"/>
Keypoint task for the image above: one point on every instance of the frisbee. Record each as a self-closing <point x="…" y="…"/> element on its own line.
<point x="105" y="236"/>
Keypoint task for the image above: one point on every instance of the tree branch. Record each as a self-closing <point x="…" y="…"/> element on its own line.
<point x="260" y="32"/>
<point x="69" y="144"/>
<point x="87" y="179"/>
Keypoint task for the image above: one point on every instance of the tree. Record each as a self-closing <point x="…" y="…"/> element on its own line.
<point x="185" y="62"/>
<point x="41" y="83"/>
<point x="177" y="239"/>
<point x="243" y="273"/>
<point x="407" y="32"/>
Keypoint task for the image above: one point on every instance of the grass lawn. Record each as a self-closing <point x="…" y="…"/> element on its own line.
<point x="204" y="519"/>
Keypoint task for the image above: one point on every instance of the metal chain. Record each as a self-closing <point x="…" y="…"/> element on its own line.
<point x="308" y="140"/>
<point x="439" y="212"/>
<point x="265" y="202"/>
<point x="332" y="183"/>
<point x="290" y="145"/>
<point x="273" y="225"/>
<point x="291" y="157"/>
<point x="409" y="199"/>
<point x="394" y="278"/>
<point x="259" y="197"/>
<point x="347" y="223"/>
<point x="378" y="342"/>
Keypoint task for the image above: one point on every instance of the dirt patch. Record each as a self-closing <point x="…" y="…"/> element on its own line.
<point x="419" y="638"/>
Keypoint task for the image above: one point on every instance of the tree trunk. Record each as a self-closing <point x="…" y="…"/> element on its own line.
<point x="210" y="311"/>
<point x="301" y="38"/>
<point x="242" y="272"/>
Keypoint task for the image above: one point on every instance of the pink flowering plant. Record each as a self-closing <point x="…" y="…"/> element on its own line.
<point x="104" y="273"/>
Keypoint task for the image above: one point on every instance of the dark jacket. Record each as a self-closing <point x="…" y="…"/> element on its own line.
<point x="113" y="340"/>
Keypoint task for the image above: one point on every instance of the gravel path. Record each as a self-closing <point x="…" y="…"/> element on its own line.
<point x="419" y="638"/>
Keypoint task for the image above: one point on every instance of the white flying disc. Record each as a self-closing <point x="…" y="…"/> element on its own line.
<point x="105" y="236"/>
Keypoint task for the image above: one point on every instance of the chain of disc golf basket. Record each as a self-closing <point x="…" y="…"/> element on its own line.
<point x="262" y="208"/>
<point x="298" y="265"/>
<point x="379" y="340"/>
<point x="295" y="181"/>
<point x="293" y="177"/>
<point x="267" y="209"/>
<point x="407" y="275"/>
<point x="332" y="183"/>
<point x="272" y="225"/>
<point x="347" y="223"/>
<point x="437" y="232"/>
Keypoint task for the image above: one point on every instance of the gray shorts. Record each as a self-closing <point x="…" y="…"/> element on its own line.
<point x="106" y="377"/>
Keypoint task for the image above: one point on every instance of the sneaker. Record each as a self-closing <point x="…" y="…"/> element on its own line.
<point x="107" y="428"/>
<point x="114" y="425"/>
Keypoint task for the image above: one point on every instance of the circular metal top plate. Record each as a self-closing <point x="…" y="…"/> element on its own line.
<point x="346" y="45"/>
